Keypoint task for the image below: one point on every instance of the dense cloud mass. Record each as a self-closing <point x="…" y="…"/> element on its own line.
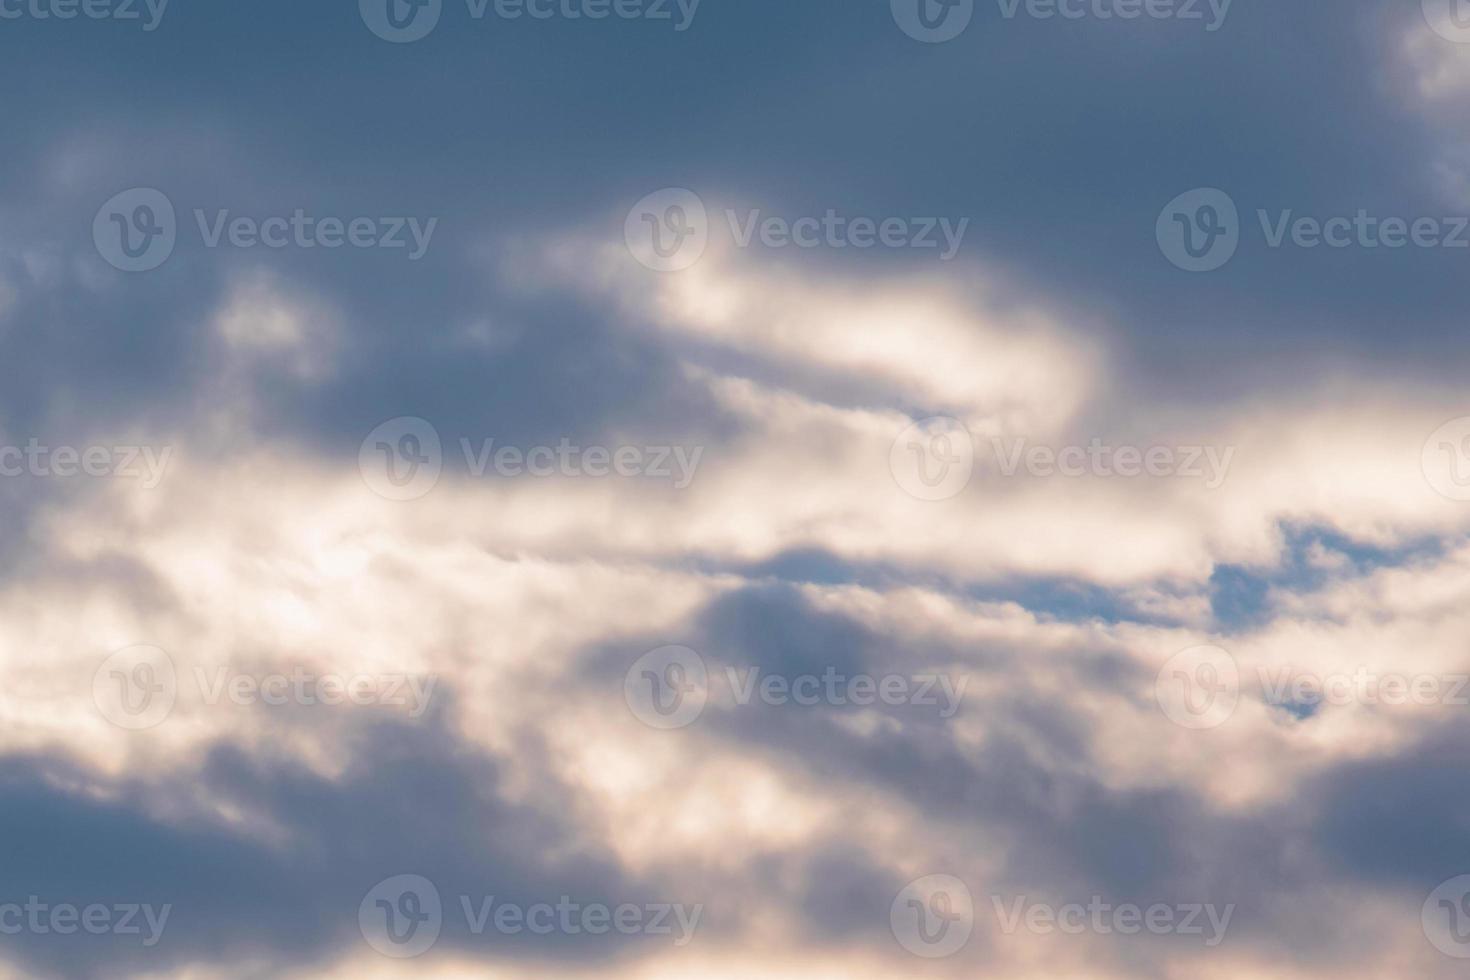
<point x="705" y="489"/>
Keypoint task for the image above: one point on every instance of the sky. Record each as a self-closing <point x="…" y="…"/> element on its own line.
<point x="701" y="489"/>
